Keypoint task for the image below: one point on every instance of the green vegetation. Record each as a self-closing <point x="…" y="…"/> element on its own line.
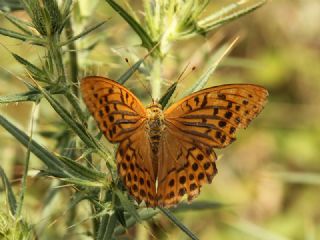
<point x="58" y="174"/>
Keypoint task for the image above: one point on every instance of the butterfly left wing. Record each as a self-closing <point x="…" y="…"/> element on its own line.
<point x="117" y="111"/>
<point x="194" y="126"/>
<point x="122" y="118"/>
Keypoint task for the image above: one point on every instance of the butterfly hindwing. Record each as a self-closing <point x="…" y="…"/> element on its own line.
<point x="118" y="112"/>
<point x="185" y="167"/>
<point x="135" y="167"/>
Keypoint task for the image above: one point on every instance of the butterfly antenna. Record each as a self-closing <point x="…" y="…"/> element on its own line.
<point x="148" y="90"/>
<point x="181" y="77"/>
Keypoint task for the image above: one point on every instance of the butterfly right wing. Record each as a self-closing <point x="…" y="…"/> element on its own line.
<point x="185" y="165"/>
<point x="194" y="126"/>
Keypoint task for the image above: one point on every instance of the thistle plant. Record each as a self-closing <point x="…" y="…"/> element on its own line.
<point x="79" y="158"/>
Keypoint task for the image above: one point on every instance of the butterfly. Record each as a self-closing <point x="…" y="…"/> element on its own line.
<point x="165" y="154"/>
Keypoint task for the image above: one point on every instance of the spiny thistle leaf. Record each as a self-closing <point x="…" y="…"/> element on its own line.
<point x="145" y="38"/>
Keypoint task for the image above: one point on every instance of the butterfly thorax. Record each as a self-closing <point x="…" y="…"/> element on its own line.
<point x="154" y="129"/>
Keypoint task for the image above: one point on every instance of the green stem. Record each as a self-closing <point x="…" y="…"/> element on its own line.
<point x="74" y="101"/>
<point x="177" y="222"/>
<point x="73" y="58"/>
<point x="56" y="54"/>
<point x="156" y="79"/>
<point x="104" y="220"/>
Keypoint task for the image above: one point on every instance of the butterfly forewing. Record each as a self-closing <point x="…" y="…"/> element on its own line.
<point x="213" y="115"/>
<point x="118" y="112"/>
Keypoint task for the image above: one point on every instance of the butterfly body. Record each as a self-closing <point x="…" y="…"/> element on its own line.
<point x="165" y="154"/>
<point x="154" y="127"/>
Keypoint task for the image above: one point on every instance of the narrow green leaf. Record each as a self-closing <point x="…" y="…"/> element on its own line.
<point x="13" y="34"/>
<point x="22" y="25"/>
<point x="19" y="36"/>
<point x="102" y="226"/>
<point x="124" y="77"/>
<point x="144" y="214"/>
<point x="146" y="40"/>
<point x="83" y="182"/>
<point x="119" y="211"/>
<point x="174" y="220"/>
<point x="84" y="33"/>
<point x="22" y="97"/>
<point x="127" y="204"/>
<point x="79" y="129"/>
<point x="10" y="195"/>
<point x="213" y="64"/>
<point x="66" y="116"/>
<point x="105" y="212"/>
<point x="147" y="213"/>
<point x="65" y="9"/>
<point x="26" y="164"/>
<point x="36" y="72"/>
<point x="120" y="216"/>
<point x="74" y="101"/>
<point x="33" y="95"/>
<point x="110" y="227"/>
<point x="196" y="206"/>
<point x="52" y="10"/>
<point x="82" y="171"/>
<point x="105" y="215"/>
<point x="227" y="13"/>
<point x="166" y="97"/>
<point x="43" y="154"/>
<point x="51" y="173"/>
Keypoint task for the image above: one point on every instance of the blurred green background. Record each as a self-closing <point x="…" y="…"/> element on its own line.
<point x="268" y="180"/>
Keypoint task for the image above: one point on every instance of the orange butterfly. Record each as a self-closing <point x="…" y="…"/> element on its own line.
<point x="165" y="154"/>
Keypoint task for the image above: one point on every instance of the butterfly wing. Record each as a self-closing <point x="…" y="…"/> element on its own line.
<point x="117" y="111"/>
<point x="122" y="118"/>
<point x="194" y="126"/>
<point x="185" y="166"/>
<point x="213" y="115"/>
<point x="135" y="167"/>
